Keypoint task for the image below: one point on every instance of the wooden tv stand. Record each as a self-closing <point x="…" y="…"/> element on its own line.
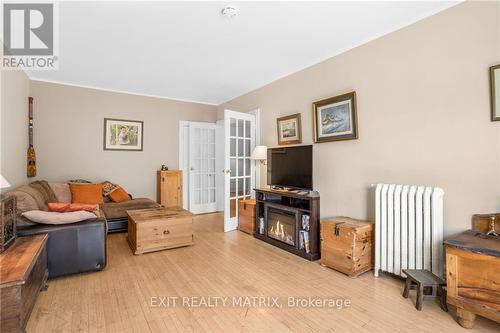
<point x="270" y="203"/>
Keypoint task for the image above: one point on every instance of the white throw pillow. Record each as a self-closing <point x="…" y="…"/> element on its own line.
<point x="44" y="217"/>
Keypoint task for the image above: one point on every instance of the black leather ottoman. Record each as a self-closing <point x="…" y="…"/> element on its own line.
<point x="72" y="248"/>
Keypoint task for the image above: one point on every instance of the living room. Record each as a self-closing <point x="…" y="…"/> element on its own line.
<point x="272" y="167"/>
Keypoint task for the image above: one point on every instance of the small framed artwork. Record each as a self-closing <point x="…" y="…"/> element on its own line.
<point x="289" y="129"/>
<point x="335" y="118"/>
<point x="122" y="134"/>
<point x="495" y="92"/>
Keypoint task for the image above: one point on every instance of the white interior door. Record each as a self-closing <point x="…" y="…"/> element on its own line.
<point x="202" y="196"/>
<point x="219" y="164"/>
<point x="239" y="180"/>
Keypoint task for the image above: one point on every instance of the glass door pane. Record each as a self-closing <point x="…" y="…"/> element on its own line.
<point x="202" y="167"/>
<point x="240" y="140"/>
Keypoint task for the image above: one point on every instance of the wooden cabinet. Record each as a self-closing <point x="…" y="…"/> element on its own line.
<point x="347" y="245"/>
<point x="159" y="229"/>
<point x="473" y="275"/>
<point x="246" y="216"/>
<point x="169" y="189"/>
<point x="23" y="273"/>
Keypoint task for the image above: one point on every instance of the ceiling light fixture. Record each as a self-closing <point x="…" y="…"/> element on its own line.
<point x="229" y="11"/>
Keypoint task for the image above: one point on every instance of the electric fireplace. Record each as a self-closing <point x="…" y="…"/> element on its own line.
<point x="289" y="220"/>
<point x="281" y="226"/>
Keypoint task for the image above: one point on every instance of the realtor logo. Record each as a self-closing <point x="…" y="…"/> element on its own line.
<point x="29" y="36"/>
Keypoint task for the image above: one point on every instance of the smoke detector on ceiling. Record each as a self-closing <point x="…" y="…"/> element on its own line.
<point x="229" y="11"/>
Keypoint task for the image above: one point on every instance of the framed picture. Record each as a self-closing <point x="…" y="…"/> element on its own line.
<point x="335" y="118"/>
<point x="289" y="129"/>
<point x="122" y="134"/>
<point x="495" y="92"/>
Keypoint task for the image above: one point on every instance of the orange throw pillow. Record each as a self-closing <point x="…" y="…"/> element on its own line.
<point x="59" y="207"/>
<point x="119" y="195"/>
<point x="86" y="193"/>
<point x="63" y="207"/>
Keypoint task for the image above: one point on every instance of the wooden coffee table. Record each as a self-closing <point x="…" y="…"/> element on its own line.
<point x="158" y="229"/>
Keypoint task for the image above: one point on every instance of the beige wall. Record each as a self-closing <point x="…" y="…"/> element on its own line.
<point x="423" y="111"/>
<point x="14" y="126"/>
<point x="69" y="135"/>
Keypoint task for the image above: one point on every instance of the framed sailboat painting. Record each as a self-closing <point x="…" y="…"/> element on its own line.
<point x="335" y="118"/>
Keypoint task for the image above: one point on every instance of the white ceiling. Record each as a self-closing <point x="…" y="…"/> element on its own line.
<point x="189" y="51"/>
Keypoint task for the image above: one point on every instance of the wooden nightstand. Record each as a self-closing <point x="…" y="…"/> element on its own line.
<point x="23" y="273"/>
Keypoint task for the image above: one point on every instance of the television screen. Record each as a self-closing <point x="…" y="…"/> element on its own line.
<point x="290" y="167"/>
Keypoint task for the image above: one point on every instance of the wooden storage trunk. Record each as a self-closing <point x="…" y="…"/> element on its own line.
<point x="158" y="229"/>
<point x="347" y="245"/>
<point x="473" y="276"/>
<point x="23" y="273"/>
<point x="246" y="216"/>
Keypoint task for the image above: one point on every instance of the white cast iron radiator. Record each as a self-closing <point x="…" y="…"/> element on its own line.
<point x="408" y="228"/>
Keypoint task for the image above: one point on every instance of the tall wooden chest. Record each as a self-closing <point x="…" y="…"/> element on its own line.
<point x="347" y="245"/>
<point x="169" y="188"/>
<point x="246" y="216"/>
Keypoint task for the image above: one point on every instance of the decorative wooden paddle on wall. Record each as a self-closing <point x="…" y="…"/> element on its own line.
<point x="31" y="171"/>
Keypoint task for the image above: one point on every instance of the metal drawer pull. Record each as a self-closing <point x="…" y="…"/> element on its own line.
<point x="166" y="232"/>
<point x="337" y="229"/>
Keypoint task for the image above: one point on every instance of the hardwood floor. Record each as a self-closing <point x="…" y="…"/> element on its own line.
<point x="233" y="264"/>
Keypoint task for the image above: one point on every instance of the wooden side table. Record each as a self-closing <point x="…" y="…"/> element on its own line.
<point x="23" y="273"/>
<point x="472" y="274"/>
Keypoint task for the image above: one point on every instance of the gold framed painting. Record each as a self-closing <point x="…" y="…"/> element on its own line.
<point x="334" y="119"/>
<point x="122" y="134"/>
<point x="495" y="92"/>
<point x="289" y="129"/>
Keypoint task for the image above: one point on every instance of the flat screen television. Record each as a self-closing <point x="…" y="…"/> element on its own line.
<point x="290" y="167"/>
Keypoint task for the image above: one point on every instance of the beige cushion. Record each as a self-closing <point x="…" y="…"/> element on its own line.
<point x="39" y="198"/>
<point x="25" y="201"/>
<point x="43" y="187"/>
<point x="62" y="192"/>
<point x="40" y="216"/>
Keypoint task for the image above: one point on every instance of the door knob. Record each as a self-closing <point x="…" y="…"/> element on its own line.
<point x="226" y="171"/>
<point x="192" y="169"/>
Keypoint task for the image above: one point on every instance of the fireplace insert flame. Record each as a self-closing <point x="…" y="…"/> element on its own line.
<point x="281" y="226"/>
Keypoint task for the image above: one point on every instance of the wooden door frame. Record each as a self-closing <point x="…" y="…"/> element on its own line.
<point x="258" y="165"/>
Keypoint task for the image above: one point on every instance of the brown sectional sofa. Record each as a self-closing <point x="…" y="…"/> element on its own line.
<point x="76" y="247"/>
<point x="35" y="196"/>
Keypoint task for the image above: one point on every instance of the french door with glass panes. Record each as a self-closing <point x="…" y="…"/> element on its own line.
<point x="239" y="136"/>
<point x="202" y="198"/>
